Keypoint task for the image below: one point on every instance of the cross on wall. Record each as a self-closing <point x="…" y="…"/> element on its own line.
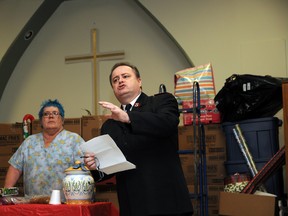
<point x="95" y="57"/>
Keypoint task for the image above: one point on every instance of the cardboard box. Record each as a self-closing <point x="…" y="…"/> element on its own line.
<point x="238" y="204"/>
<point x="212" y="210"/>
<point x="91" y="126"/>
<point x="214" y="138"/>
<point x="213" y="199"/>
<point x="4" y="166"/>
<point x="215" y="171"/>
<point x="213" y="192"/>
<point x="11" y="137"/>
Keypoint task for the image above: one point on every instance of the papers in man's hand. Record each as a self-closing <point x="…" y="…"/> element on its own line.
<point x="110" y="157"/>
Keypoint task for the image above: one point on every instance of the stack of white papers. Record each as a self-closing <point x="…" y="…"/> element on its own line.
<point x="109" y="156"/>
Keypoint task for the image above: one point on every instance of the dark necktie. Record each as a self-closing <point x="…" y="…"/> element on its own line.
<point x="128" y="107"/>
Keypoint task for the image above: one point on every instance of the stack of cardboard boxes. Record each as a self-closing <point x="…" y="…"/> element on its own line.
<point x="11" y="136"/>
<point x="215" y="157"/>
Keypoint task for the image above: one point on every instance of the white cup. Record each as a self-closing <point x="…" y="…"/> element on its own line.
<point x="55" y="197"/>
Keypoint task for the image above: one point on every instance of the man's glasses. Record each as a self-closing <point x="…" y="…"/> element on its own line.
<point x="53" y="114"/>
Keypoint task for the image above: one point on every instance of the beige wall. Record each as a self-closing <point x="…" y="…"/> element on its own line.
<point x="235" y="36"/>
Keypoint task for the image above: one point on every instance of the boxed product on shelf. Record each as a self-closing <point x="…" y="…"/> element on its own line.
<point x="209" y="113"/>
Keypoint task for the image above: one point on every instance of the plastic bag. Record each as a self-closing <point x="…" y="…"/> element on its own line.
<point x="249" y="96"/>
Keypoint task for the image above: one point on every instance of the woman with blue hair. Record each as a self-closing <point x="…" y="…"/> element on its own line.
<point x="43" y="157"/>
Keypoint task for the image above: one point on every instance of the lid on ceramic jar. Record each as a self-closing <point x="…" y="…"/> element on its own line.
<point x="77" y="168"/>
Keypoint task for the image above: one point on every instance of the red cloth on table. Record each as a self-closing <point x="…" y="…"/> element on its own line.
<point x="95" y="209"/>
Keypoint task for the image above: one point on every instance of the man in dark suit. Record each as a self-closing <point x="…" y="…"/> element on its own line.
<point x="147" y="134"/>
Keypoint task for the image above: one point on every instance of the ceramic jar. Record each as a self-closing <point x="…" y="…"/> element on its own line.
<point x="78" y="185"/>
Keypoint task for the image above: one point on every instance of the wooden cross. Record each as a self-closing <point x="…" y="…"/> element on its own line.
<point x="94" y="57"/>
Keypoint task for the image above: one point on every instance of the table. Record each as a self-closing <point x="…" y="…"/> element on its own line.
<point x="95" y="209"/>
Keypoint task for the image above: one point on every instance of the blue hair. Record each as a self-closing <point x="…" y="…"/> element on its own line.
<point x="49" y="103"/>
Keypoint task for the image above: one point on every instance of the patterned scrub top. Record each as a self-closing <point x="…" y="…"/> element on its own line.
<point x="43" y="168"/>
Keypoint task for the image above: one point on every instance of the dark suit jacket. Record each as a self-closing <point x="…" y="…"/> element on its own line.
<point x="157" y="185"/>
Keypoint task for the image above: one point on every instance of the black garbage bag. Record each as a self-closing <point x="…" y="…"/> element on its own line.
<point x="249" y="96"/>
